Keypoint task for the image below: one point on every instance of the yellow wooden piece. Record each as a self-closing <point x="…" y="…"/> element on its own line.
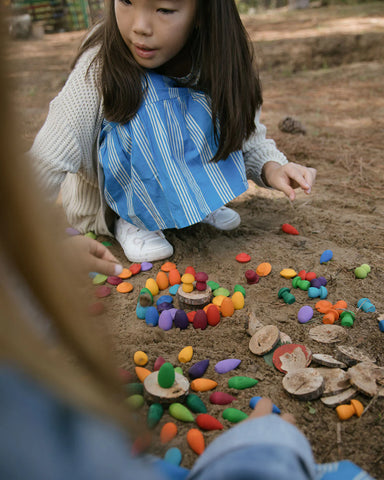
<point x="238" y="300"/>
<point x="218" y="300"/>
<point x="152" y="286"/>
<point x="186" y="354"/>
<point x="187" y="287"/>
<point x="288" y="273"/>
<point x="140" y="358"/>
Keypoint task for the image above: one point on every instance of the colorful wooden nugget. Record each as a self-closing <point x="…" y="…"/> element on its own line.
<point x="198" y="369"/>
<point x="314" y="292"/>
<point x="168" y="432"/>
<point x="187" y="282"/>
<point x="326" y="256"/>
<point x="252" y="277"/>
<point x="287" y="228"/>
<point x="344" y="412"/>
<point x="201" y="281"/>
<point x="366" y="305"/>
<point x="140" y="358"/>
<point x="195" y="440"/>
<point x="195" y="403"/>
<point x="185" y="354"/>
<point x="362" y="271"/>
<point x="234" y="415"/>
<point x="180" y="412"/>
<point x="264" y="269"/>
<point x="155" y="413"/>
<point x="288" y="273"/>
<point x="297" y="282"/>
<point x="207" y="422"/>
<point x="225" y="366"/>
<point x="284" y="293"/>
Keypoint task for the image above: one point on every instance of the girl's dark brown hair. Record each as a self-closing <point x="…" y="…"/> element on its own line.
<point x="222" y="55"/>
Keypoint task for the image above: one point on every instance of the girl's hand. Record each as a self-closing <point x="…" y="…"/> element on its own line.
<point x="264" y="407"/>
<point x="289" y="176"/>
<point x="92" y="256"/>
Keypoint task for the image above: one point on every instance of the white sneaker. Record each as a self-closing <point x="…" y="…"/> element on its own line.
<point x="223" y="218"/>
<point x="141" y="245"/>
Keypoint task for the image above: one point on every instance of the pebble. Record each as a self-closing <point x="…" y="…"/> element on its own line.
<point x="152" y="286"/>
<point x="208" y="422"/>
<point x="162" y="280"/>
<point x="195" y="440"/>
<point x="305" y="314"/>
<point x="181" y="320"/>
<point x="326" y="256"/>
<point x="200" y="320"/>
<point x="103" y="291"/>
<point x="185" y="354"/>
<point x="240" y="288"/>
<point x="287" y="228"/>
<point x="145" y="266"/>
<point x="203" y="384"/>
<point x="221" y="398"/>
<point x="254" y="401"/>
<point x="114" y="280"/>
<point x="124" y="287"/>
<point x="243" y="257"/>
<point x="155" y="413"/>
<point x="234" y="415"/>
<point x="227" y="308"/>
<point x="135" y="401"/>
<point x="152" y="316"/>
<point x="198" y="369"/>
<point x="166" y="375"/>
<point x="166" y="320"/>
<point x="174" y="288"/>
<point x="99" y="279"/>
<point x="213" y="315"/>
<point x="227" y="365"/>
<point x="158" y="363"/>
<point x="241" y="382"/>
<point x="264" y="269"/>
<point x="195" y="403"/>
<point x="135" y="268"/>
<point x="142" y="373"/>
<point x="174" y="277"/>
<point x="168" y="432"/>
<point x="173" y="456"/>
<point x="288" y="273"/>
<point x="140" y="358"/>
<point x="180" y="412"/>
<point x="238" y="300"/>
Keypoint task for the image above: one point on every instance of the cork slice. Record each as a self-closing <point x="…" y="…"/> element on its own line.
<point x="343" y="397"/>
<point x="156" y="394"/>
<point x="328" y="334"/>
<point x="335" y="380"/>
<point x="304" y="384"/>
<point x="366" y="377"/>
<point x="328" y="361"/>
<point x="264" y="340"/>
<point x="352" y="356"/>
<point x="254" y="324"/>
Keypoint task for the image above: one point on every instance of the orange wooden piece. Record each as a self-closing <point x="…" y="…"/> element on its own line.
<point x="345" y="411"/>
<point x="142" y="373"/>
<point x="213" y="315"/>
<point x="174" y="277"/>
<point x="340" y="305"/>
<point x="162" y="280"/>
<point x="330" y="317"/>
<point x="191" y="316"/>
<point x="126" y="273"/>
<point x="227" y="308"/>
<point x="195" y="440"/>
<point x="168" y="432"/>
<point x="203" y="384"/>
<point x="124" y="287"/>
<point x="358" y="406"/>
<point x="323" y="306"/>
<point x="264" y="269"/>
<point x="191" y="270"/>
<point x="168" y="266"/>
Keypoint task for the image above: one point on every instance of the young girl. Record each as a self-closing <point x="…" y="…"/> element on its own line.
<point x="175" y="84"/>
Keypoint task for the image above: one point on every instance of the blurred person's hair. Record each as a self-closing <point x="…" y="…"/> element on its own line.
<point x="75" y="360"/>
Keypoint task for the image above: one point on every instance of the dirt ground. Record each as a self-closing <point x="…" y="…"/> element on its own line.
<point x="325" y="68"/>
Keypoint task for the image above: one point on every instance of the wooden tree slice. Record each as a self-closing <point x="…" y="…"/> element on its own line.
<point x="340" y="398"/>
<point x="264" y="340"/>
<point x="196" y="297"/>
<point x="284" y="338"/>
<point x="253" y="324"/>
<point x="328" y="333"/>
<point x="328" y="361"/>
<point x="304" y="384"/>
<point x="352" y="356"/>
<point x="365" y="377"/>
<point x="335" y="380"/>
<point x="156" y="394"/>
<point x="291" y="356"/>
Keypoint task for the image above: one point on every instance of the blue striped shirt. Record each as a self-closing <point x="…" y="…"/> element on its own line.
<point x="157" y="168"/>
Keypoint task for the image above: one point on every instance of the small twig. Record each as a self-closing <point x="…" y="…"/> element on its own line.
<point x="369" y="404"/>
<point x="338" y="438"/>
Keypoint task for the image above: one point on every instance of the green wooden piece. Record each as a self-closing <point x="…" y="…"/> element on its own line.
<point x="195" y="403"/>
<point x="166" y="375"/>
<point x="240" y="383"/>
<point x="155" y="412"/>
<point x="180" y="412"/>
<point x="234" y="415"/>
<point x="135" y="401"/>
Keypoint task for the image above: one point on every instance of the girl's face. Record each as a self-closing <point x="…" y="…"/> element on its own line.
<point x="155" y="31"/>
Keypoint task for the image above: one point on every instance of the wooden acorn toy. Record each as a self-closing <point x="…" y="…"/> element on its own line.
<point x="314" y="292"/>
<point x="298" y="282"/>
<point x="362" y="271"/>
<point x="344" y="412"/>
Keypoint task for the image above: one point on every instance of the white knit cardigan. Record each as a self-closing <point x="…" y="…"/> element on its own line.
<point x="64" y="151"/>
